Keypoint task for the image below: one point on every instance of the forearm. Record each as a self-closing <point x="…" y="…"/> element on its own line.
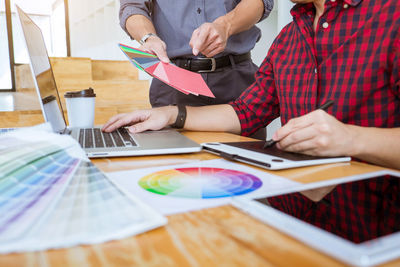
<point x="138" y="26"/>
<point x="242" y="17"/>
<point x="218" y="118"/>
<point x="376" y="145"/>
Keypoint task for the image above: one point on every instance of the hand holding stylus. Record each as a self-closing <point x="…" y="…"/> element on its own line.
<point x="316" y="133"/>
<point x="324" y="106"/>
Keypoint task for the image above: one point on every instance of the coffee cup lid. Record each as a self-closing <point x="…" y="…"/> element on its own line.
<point x="48" y="99"/>
<point x="84" y="93"/>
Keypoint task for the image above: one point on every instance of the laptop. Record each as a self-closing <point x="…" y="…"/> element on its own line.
<point x="93" y="140"/>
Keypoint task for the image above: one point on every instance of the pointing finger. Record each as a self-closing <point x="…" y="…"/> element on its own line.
<point x="198" y="41"/>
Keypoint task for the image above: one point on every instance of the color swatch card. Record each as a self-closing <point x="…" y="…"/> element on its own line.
<point x="51" y="196"/>
<point x="183" y="80"/>
<point x="193" y="186"/>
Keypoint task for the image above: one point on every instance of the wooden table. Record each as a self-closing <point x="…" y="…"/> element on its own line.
<point x="222" y="236"/>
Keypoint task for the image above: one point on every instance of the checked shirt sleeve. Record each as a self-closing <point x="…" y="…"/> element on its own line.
<point x="258" y="105"/>
<point x="395" y="64"/>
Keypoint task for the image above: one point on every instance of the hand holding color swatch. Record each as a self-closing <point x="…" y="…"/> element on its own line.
<point x="183" y="80"/>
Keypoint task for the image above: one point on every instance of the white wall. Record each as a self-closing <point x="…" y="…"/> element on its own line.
<point x="43" y="8"/>
<point x="5" y="73"/>
<point x="51" y="22"/>
<point x="58" y="31"/>
<point x="268" y="32"/>
<point x="270" y="27"/>
<point x="95" y="30"/>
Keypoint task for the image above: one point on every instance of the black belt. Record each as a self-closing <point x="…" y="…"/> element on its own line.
<point x="209" y="64"/>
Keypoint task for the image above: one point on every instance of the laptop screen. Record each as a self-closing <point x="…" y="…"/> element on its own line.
<point x="42" y="73"/>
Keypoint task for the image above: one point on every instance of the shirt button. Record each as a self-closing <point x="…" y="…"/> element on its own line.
<point x="325" y="25"/>
<point x="315" y="70"/>
<point x="199" y="10"/>
<point x="345" y="5"/>
<point x="333" y="1"/>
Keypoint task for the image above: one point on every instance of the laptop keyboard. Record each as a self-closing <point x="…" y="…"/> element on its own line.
<point x="94" y="137"/>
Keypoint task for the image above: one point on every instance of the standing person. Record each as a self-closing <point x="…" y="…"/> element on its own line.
<point x="186" y="31"/>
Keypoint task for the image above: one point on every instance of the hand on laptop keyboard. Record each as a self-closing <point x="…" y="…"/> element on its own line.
<point x="143" y="120"/>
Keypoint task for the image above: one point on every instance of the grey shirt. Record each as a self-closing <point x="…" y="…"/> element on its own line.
<point x="175" y="21"/>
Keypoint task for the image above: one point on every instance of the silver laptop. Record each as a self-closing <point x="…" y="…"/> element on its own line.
<point x="93" y="140"/>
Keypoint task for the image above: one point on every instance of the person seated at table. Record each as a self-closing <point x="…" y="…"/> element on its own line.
<point x="343" y="50"/>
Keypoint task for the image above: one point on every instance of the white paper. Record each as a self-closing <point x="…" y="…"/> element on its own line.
<point x="128" y="181"/>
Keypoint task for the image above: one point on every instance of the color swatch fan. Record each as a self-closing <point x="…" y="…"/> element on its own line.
<point x="183" y="80"/>
<point x="51" y="196"/>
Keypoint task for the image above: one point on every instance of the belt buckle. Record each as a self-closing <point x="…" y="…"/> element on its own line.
<point x="213" y="64"/>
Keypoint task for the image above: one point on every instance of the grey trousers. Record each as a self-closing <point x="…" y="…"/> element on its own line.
<point x="225" y="83"/>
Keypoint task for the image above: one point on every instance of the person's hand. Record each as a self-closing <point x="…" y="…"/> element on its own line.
<point x="318" y="194"/>
<point x="209" y="39"/>
<point x="156" y="46"/>
<point x="316" y="134"/>
<point x="143" y="120"/>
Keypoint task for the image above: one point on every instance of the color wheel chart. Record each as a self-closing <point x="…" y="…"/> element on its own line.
<point x="200" y="183"/>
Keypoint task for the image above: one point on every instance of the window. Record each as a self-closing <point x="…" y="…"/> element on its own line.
<point x="5" y="71"/>
<point x="49" y="15"/>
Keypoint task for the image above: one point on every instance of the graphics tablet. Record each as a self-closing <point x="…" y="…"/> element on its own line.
<point x="355" y="219"/>
<point x="270" y="158"/>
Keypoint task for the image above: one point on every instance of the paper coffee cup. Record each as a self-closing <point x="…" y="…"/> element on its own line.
<point x="53" y="113"/>
<point x="80" y="108"/>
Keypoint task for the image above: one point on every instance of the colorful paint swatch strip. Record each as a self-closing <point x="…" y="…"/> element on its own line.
<point x="49" y="198"/>
<point x="183" y="80"/>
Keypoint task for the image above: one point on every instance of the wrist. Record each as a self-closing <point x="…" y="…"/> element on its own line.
<point x="355" y="142"/>
<point x="224" y="23"/>
<point x="173" y="113"/>
<point x="180" y="117"/>
<point x="147" y="37"/>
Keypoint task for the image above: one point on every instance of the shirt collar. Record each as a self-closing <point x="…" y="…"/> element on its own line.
<point x="300" y="9"/>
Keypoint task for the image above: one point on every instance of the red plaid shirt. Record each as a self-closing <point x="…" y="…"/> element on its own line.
<point x="358" y="211"/>
<point x="353" y="58"/>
